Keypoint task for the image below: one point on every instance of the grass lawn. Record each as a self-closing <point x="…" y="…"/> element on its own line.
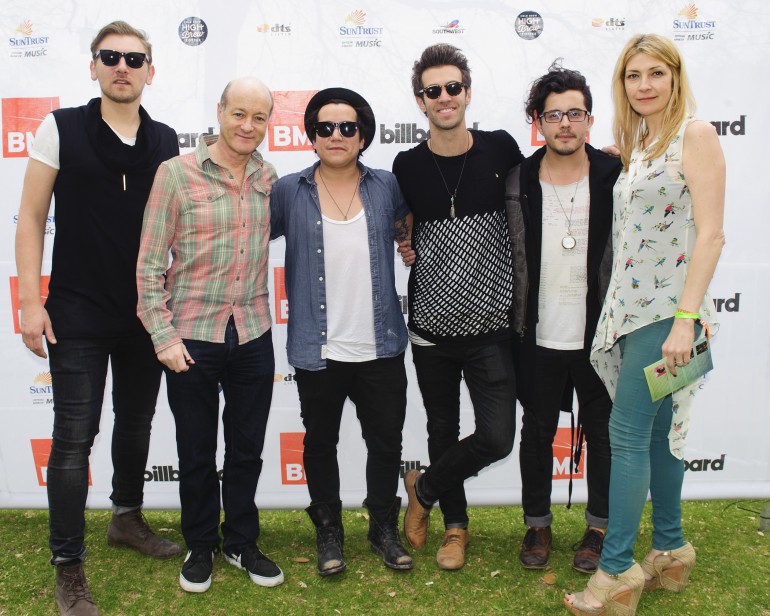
<point x="732" y="575"/>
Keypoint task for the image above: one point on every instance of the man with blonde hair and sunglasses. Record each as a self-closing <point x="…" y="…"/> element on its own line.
<point x="99" y="161"/>
<point x="460" y="295"/>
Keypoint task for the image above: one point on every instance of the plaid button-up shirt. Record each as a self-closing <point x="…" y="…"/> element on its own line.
<point x="217" y="232"/>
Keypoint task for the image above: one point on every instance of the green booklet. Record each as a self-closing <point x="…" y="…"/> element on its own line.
<point x="661" y="382"/>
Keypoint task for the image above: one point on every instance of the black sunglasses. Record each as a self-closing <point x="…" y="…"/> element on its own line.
<point x="134" y="59"/>
<point x="326" y="129"/>
<point x="453" y="88"/>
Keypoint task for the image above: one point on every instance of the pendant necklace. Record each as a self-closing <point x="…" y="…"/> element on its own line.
<point x="452" y="194"/>
<point x="568" y="242"/>
<point x="334" y="201"/>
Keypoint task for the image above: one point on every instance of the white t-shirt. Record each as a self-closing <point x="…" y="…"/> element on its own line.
<point x="349" y="307"/>
<point x="45" y="146"/>
<point x="563" y="272"/>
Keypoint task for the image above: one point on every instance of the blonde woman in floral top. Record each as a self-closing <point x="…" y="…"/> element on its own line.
<point x="668" y="212"/>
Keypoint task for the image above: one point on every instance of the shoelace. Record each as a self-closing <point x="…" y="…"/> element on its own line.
<point x="592" y="540"/>
<point x="452" y="539"/>
<point x="76" y="588"/>
<point x="140" y="524"/>
<point x="534" y="538"/>
<point x="329" y="536"/>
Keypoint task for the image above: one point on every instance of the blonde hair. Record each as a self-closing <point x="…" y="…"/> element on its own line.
<point x="628" y="129"/>
<point x="121" y="28"/>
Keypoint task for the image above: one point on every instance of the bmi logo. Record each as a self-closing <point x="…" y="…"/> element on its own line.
<point x="562" y="449"/>
<point x="21" y="117"/>
<point x="281" y="301"/>
<point x="14" y="280"/>
<point x="286" y="128"/>
<point x="292" y="448"/>
<point x="41" y="451"/>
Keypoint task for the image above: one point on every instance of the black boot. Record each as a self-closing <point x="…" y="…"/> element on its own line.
<point x="329" y="536"/>
<point x="385" y="540"/>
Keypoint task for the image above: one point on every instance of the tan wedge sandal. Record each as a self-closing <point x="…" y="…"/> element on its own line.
<point x="614" y="603"/>
<point x="666" y="573"/>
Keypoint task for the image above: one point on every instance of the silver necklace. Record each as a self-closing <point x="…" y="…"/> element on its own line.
<point x="452" y="194"/>
<point x="568" y="242"/>
<point x="334" y="201"/>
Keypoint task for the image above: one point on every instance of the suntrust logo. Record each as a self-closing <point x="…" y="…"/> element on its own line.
<point x="286" y="128"/>
<point x="41" y="389"/>
<point x="24" y="43"/>
<point x="21" y="117"/>
<point x="562" y="455"/>
<point x="687" y="26"/>
<point x="16" y="309"/>
<point x="355" y="33"/>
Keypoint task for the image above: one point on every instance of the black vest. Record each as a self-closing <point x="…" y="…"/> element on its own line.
<point x="100" y="194"/>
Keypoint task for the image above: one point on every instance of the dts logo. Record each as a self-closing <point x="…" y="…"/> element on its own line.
<point x="562" y="446"/>
<point x="14" y="280"/>
<point x="286" y="128"/>
<point x="292" y="448"/>
<point x="21" y="117"/>
<point x="41" y="451"/>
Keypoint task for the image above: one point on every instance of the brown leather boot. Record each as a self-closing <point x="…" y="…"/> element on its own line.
<point x="417" y="517"/>
<point x="73" y="597"/>
<point x="131" y="530"/>
<point x="589" y="551"/>
<point x="451" y="554"/>
<point x="535" y="548"/>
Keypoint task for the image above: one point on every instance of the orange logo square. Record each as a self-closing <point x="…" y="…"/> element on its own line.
<point x="41" y="451"/>
<point x="286" y="128"/>
<point x="14" y="280"/>
<point x="281" y="301"/>
<point x="292" y="448"/>
<point x="562" y="446"/>
<point x="21" y="117"/>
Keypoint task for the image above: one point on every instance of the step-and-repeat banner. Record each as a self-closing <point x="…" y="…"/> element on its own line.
<point x="298" y="47"/>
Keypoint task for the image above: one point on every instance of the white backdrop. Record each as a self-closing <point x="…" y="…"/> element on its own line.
<point x="298" y="47"/>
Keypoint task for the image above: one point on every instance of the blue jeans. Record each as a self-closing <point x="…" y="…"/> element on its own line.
<point x="246" y="374"/>
<point x="79" y="373"/>
<point x="641" y="458"/>
<point x="488" y="372"/>
<point x="378" y="389"/>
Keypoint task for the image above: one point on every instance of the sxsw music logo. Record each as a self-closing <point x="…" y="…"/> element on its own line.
<point x="21" y="117"/>
<point x="538" y="141"/>
<point x="14" y="280"/>
<point x="562" y="447"/>
<point x="286" y="128"/>
<point x="292" y="448"/>
<point x="281" y="301"/>
<point x="41" y="451"/>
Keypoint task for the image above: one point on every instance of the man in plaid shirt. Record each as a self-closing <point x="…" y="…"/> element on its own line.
<point x="208" y="316"/>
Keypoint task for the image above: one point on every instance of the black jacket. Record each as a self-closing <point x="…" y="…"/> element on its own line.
<point x="524" y="206"/>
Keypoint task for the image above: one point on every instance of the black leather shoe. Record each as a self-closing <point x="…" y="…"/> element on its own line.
<point x="329" y="538"/>
<point x="535" y="548"/>
<point x="588" y="551"/>
<point x="385" y="540"/>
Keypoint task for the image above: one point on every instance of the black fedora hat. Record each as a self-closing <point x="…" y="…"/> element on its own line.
<point x="355" y="100"/>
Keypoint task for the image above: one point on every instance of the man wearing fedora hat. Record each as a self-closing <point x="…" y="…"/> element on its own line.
<point x="346" y="331"/>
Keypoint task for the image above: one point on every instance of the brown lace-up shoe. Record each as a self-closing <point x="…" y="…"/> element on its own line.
<point x="588" y="551"/>
<point x="131" y="530"/>
<point x="417" y="517"/>
<point x="535" y="548"/>
<point x="73" y="598"/>
<point x="451" y="554"/>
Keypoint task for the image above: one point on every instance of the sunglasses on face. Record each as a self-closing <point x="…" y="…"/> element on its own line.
<point x="453" y="88"/>
<point x="134" y="59"/>
<point x="326" y="129"/>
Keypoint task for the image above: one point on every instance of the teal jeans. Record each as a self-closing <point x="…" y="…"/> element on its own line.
<point x="641" y="459"/>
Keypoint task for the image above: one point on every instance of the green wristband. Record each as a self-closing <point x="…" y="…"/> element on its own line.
<point x="679" y="314"/>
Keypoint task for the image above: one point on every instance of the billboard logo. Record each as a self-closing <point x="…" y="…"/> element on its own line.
<point x="286" y="128"/>
<point x="16" y="309"/>
<point x="562" y="458"/>
<point x="41" y="451"/>
<point x="292" y="448"/>
<point x="21" y="117"/>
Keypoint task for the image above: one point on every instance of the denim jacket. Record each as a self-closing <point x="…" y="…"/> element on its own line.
<point x="295" y="212"/>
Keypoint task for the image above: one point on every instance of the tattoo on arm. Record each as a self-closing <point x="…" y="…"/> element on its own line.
<point x="402" y="230"/>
